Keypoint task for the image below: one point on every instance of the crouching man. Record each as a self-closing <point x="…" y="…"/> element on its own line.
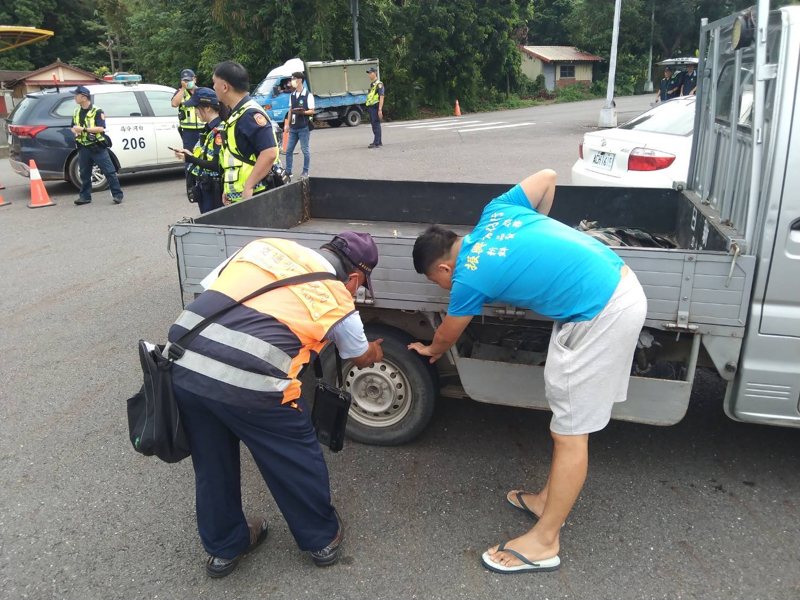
<point x="238" y="380"/>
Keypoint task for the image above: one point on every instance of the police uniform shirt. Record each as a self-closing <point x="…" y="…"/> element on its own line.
<point x="99" y="118"/>
<point x="253" y="132"/>
<point x="380" y="89"/>
<point x="664" y="86"/>
<point x="689" y="82"/>
<point x="675" y="84"/>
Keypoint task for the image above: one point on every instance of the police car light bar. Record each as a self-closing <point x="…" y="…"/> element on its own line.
<point x="123" y="78"/>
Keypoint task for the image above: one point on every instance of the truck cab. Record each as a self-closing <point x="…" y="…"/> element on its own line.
<point x="747" y="148"/>
<point x="274" y="91"/>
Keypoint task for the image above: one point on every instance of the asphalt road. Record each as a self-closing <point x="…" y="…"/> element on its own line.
<point x="706" y="509"/>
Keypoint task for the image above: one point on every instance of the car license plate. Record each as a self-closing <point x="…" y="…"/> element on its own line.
<point x="604" y="160"/>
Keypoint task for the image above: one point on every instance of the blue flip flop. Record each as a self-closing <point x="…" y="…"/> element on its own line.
<point x="527" y="566"/>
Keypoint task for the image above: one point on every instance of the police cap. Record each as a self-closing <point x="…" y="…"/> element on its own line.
<point x="81" y="89"/>
<point x="203" y="97"/>
<point x="187" y="75"/>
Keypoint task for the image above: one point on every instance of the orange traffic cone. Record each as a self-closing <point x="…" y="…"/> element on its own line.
<point x="3" y="202"/>
<point x="285" y="142"/>
<point x="39" y="197"/>
<point x="458" y="109"/>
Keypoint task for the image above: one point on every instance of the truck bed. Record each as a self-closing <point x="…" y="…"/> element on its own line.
<point x="697" y="287"/>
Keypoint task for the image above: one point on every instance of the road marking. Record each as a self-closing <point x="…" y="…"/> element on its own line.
<point x="474" y="128"/>
<point x="440" y="124"/>
<point x="455" y="125"/>
<point x="430" y="122"/>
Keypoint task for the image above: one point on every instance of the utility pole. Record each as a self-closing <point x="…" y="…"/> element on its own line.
<point x="608" y="114"/>
<point x="648" y="85"/>
<point x="354" y="11"/>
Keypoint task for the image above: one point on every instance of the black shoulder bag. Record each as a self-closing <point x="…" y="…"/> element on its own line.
<point x="331" y="407"/>
<point x="154" y="421"/>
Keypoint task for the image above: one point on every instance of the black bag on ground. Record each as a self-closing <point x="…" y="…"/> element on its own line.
<point x="331" y="408"/>
<point x="154" y="421"/>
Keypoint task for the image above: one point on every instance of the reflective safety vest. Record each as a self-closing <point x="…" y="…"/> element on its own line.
<point x="83" y="138"/>
<point x="187" y="115"/>
<point x="236" y="167"/>
<point x="372" y="95"/>
<point x="252" y="354"/>
<point x="208" y="148"/>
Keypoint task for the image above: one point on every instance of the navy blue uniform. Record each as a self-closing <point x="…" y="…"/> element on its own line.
<point x="251" y="138"/>
<point x="689" y="82"/>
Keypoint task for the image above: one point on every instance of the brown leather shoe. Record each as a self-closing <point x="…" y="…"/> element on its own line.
<point x="217" y="567"/>
<point x="330" y="553"/>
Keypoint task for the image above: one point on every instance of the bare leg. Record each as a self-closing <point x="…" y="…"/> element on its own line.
<point x="535" y="501"/>
<point x="567" y="476"/>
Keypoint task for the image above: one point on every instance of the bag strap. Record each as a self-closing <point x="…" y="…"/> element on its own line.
<point x="318" y="373"/>
<point x="176" y="349"/>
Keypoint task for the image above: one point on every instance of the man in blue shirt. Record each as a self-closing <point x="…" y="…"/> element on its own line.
<point x="519" y="256"/>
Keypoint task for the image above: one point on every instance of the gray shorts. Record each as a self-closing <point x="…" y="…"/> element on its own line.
<point x="589" y="362"/>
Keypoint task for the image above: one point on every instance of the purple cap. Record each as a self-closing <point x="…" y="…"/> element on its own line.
<point x="360" y="249"/>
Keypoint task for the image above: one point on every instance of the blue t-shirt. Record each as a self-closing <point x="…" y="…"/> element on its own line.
<point x="520" y="257"/>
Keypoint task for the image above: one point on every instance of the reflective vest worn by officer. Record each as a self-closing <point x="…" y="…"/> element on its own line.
<point x="236" y="168"/>
<point x="84" y="138"/>
<point x="187" y="115"/>
<point x="208" y="149"/>
<point x="252" y="354"/>
<point x="372" y="95"/>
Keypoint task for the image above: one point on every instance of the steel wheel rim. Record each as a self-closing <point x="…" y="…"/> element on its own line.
<point x="98" y="178"/>
<point x="381" y="393"/>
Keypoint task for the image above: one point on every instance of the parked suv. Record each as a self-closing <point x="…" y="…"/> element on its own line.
<point x="140" y="120"/>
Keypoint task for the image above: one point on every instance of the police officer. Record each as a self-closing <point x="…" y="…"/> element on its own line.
<point x="664" y="86"/>
<point x="689" y="81"/>
<point x="204" y="158"/>
<point x="190" y="125"/>
<point x="238" y="380"/>
<point x="375" y="106"/>
<point x="249" y="145"/>
<point x="89" y="125"/>
<point x="298" y="120"/>
<point x="675" y="84"/>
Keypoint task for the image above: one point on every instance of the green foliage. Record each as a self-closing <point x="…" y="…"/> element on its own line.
<point x="431" y="51"/>
<point x="77" y="33"/>
<point x="574" y="92"/>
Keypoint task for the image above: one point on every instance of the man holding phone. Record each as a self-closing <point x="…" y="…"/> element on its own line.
<point x="298" y="120"/>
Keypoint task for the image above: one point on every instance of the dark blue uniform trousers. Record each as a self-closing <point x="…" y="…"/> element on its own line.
<point x="376" y="124"/>
<point x="285" y="448"/>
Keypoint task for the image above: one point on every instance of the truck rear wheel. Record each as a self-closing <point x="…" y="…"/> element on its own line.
<point x="352" y="117"/>
<point x="393" y="400"/>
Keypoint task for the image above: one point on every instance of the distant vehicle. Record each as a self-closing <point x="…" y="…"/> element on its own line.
<point x="339" y="87"/>
<point x="652" y="150"/>
<point x="140" y="121"/>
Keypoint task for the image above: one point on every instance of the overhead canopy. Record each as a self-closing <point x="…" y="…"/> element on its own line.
<point x="12" y="36"/>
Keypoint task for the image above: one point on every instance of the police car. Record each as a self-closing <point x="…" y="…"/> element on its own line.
<point x="140" y="120"/>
